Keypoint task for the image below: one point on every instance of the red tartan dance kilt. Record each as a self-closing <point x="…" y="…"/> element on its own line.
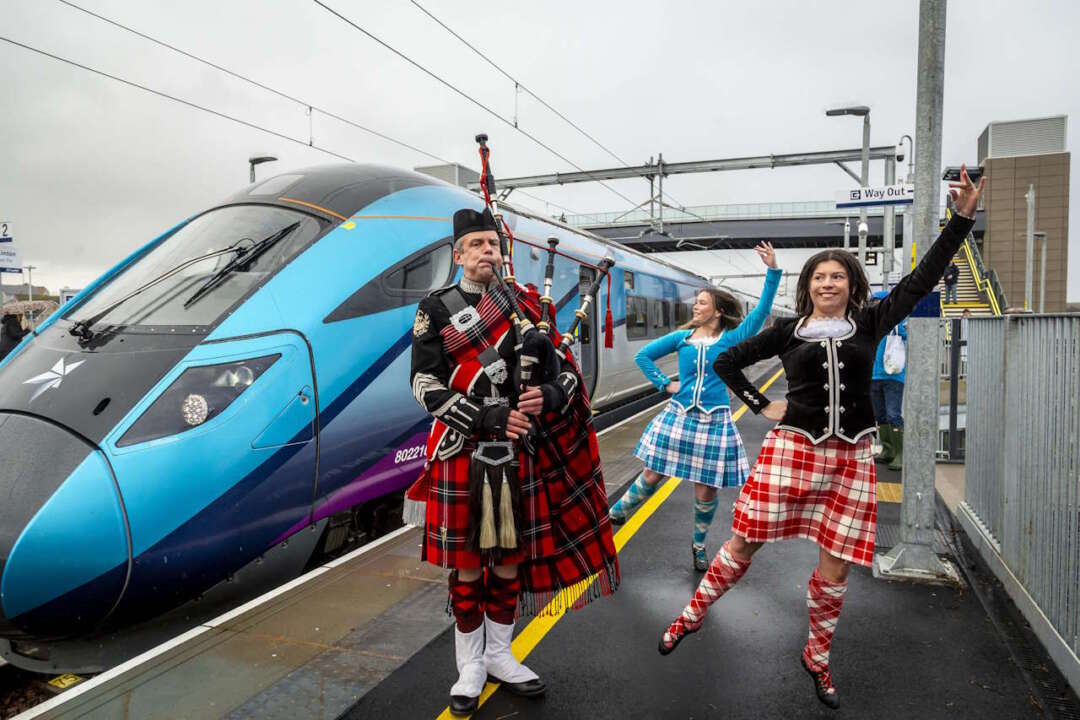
<point x="446" y="516"/>
<point x="826" y="493"/>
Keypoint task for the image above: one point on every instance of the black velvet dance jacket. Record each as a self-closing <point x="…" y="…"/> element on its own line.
<point x="829" y="379"/>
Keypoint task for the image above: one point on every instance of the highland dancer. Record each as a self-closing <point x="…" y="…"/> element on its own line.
<point x="694" y="438"/>
<point x="814" y="477"/>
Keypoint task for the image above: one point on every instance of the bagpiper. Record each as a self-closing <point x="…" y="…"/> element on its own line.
<point x="511" y="497"/>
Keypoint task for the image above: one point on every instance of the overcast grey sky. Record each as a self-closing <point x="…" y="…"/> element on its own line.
<point x="90" y="169"/>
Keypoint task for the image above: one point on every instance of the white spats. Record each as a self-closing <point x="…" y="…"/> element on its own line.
<point x="469" y="651"/>
<point x="501" y="663"/>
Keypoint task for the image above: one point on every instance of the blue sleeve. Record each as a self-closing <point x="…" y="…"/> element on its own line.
<point x="655" y="350"/>
<point x="901" y="329"/>
<point x="752" y="323"/>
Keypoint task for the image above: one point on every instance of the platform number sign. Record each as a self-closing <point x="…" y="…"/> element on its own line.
<point x="10" y="257"/>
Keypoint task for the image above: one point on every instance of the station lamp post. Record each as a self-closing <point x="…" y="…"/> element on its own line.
<point x="910" y="179"/>
<point x="864" y="112"/>
<point x="259" y="160"/>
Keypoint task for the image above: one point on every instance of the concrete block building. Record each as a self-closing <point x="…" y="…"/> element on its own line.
<point x="1016" y="155"/>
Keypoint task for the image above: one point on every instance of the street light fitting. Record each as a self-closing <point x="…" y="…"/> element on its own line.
<point x="860" y="110"/>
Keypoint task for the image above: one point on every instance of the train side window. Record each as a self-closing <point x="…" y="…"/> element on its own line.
<point x="421" y="274"/>
<point x="404" y="283"/>
<point x="637" y="317"/>
<point x="682" y="314"/>
<point x="661" y="317"/>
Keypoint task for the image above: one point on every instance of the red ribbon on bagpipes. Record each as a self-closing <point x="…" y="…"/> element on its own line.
<point x="609" y="324"/>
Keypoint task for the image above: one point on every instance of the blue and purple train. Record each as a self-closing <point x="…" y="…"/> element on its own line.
<point x="240" y="384"/>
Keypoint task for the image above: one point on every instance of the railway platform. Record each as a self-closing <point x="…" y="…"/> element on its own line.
<point x="368" y="635"/>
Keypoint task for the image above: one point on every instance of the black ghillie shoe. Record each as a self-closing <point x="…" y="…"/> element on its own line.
<point x="463" y="706"/>
<point x="823" y="686"/>
<point x="670" y="638"/>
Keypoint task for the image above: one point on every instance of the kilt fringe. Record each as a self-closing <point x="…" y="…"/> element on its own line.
<point x="413" y="513"/>
<point x="551" y="603"/>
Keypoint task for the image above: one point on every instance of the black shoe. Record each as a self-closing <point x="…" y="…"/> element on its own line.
<point x="823" y="686"/>
<point x="680" y="628"/>
<point x="530" y="688"/>
<point x="616" y="519"/>
<point x="463" y="706"/>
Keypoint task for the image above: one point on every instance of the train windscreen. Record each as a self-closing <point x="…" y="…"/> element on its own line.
<point x="245" y="245"/>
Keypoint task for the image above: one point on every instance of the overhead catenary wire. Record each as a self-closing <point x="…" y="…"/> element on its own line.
<point x="468" y="97"/>
<point x="521" y="85"/>
<point x="188" y="103"/>
<point x="255" y="83"/>
<point x="518" y="83"/>
<point x="286" y="96"/>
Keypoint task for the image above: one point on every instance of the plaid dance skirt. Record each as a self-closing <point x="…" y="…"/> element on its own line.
<point x="694" y="446"/>
<point x="826" y="493"/>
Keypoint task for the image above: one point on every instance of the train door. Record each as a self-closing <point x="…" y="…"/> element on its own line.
<point x="587" y="347"/>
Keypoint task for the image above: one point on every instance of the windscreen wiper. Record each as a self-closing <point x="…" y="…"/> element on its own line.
<point x="82" y="328"/>
<point x="244" y="259"/>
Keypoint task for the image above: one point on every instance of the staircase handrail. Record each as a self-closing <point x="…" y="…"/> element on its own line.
<point x="987" y="283"/>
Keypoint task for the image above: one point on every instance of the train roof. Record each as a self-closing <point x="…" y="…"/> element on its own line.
<point x="337" y="190"/>
<point x="340" y="190"/>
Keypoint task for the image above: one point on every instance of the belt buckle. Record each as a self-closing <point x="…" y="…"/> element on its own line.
<point x="495" y="452"/>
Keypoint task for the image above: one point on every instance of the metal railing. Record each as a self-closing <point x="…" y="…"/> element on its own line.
<point x="1022" y="486"/>
<point x="734" y="211"/>
<point x="987" y="283"/>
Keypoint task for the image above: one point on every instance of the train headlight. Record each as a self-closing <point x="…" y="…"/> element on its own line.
<point x="198" y="395"/>
<point x="195" y="410"/>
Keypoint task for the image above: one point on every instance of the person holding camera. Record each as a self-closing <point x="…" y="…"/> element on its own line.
<point x="814" y="477"/>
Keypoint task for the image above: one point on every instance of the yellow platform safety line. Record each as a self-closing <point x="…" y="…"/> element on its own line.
<point x="534" y="632"/>
<point x="889" y="492"/>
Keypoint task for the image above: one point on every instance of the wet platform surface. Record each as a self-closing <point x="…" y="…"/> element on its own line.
<point x="901" y="650"/>
<point x="368" y="636"/>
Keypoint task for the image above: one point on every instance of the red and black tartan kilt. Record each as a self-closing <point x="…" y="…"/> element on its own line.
<point x="826" y="493"/>
<point x="446" y="516"/>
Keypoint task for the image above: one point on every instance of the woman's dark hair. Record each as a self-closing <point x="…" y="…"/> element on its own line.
<point x="857" y="282"/>
<point x="729" y="307"/>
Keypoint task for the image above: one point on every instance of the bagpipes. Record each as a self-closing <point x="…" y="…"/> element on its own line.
<point x="493" y="471"/>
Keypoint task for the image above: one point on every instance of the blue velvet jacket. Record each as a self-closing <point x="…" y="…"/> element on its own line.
<point x="700" y="387"/>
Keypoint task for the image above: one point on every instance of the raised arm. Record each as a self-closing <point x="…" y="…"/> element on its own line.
<point x="756" y="318"/>
<point x="730" y="363"/>
<point x="647" y="356"/>
<point x="899" y="303"/>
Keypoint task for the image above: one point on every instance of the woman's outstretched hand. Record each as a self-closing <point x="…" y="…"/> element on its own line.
<point x="965" y="194"/>
<point x="765" y="252"/>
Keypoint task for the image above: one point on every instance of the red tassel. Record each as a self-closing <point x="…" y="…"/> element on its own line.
<point x="609" y="324"/>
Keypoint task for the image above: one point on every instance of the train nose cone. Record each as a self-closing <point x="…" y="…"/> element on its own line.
<point x="63" y="539"/>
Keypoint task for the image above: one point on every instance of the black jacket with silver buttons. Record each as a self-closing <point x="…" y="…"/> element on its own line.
<point x="829" y="379"/>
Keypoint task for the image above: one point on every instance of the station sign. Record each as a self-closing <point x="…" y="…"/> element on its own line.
<point x="901" y="194"/>
<point x="5" y="232"/>
<point x="10" y="258"/>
